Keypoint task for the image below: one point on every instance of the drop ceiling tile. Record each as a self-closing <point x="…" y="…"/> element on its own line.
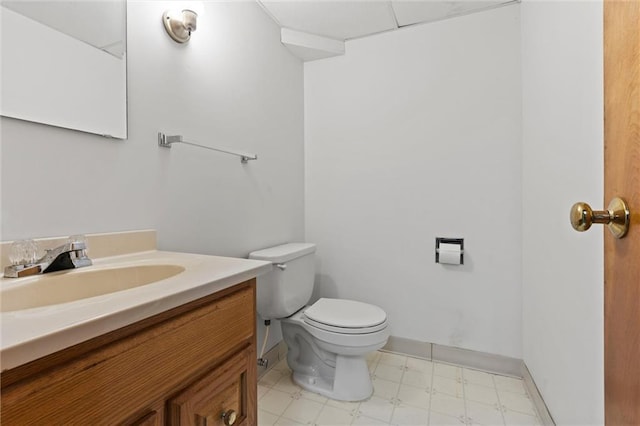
<point x="413" y="12"/>
<point x="340" y="20"/>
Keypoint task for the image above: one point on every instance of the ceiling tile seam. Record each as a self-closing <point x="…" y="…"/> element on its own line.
<point x="277" y="21"/>
<point x="464" y="13"/>
<point x="444" y="18"/>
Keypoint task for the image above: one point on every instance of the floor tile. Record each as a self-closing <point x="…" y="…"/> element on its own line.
<point x="392" y="373"/>
<point x="275" y="402"/>
<point x="313" y="396"/>
<point x="437" y="419"/>
<point x="516" y="402"/>
<point x="483" y="394"/>
<point x="418" y="397"/>
<point x="447" y="385"/>
<point x="512" y="418"/>
<point x="419" y="365"/>
<point x="389" y="358"/>
<point x="446" y="370"/>
<point x="421" y="379"/>
<point x="368" y="421"/>
<point x="377" y="408"/>
<point x="345" y="405"/>
<point x="482" y="414"/>
<point x="303" y="410"/>
<point x="271" y="378"/>
<point x="266" y="419"/>
<point x="477" y="377"/>
<point x="288" y="422"/>
<point x="332" y="416"/>
<point x="285" y="384"/>
<point x="262" y="390"/>
<point x="509" y="384"/>
<point x="447" y="404"/>
<point x="408" y="415"/>
<point x="385" y="388"/>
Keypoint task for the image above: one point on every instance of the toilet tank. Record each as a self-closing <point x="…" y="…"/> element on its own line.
<point x="288" y="287"/>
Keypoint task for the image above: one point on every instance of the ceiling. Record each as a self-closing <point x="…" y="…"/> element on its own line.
<point x="348" y="19"/>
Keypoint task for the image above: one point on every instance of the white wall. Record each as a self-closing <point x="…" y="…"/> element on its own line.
<point x="233" y="84"/>
<point x="412" y="135"/>
<point x="563" y="163"/>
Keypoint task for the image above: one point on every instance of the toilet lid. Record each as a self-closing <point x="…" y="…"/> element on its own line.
<point x="345" y="316"/>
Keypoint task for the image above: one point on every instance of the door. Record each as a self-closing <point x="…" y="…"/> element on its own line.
<point x="622" y="179"/>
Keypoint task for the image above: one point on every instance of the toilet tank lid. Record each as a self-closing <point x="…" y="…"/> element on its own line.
<point x="283" y="253"/>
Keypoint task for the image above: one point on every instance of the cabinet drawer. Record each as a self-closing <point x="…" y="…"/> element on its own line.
<point x="227" y="389"/>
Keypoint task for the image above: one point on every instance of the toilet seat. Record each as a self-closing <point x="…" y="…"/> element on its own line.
<point x="345" y="316"/>
<point x="353" y="342"/>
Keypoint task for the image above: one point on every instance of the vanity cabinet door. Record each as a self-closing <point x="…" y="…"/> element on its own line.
<point x="224" y="396"/>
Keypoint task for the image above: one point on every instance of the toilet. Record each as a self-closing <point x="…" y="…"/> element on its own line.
<point x="328" y="341"/>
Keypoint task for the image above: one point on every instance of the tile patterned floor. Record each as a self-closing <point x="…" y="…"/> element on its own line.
<point x="407" y="391"/>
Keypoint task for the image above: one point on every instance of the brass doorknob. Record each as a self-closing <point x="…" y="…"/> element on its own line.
<point x="616" y="216"/>
<point x="229" y="417"/>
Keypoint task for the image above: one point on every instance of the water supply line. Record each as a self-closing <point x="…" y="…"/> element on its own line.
<point x="261" y="361"/>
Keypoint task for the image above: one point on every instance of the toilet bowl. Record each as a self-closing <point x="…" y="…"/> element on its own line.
<point x="327" y="341"/>
<point x="327" y="352"/>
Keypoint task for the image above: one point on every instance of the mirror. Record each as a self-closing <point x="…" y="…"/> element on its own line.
<point x="64" y="64"/>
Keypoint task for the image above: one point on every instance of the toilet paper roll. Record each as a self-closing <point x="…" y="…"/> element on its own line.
<point x="449" y="254"/>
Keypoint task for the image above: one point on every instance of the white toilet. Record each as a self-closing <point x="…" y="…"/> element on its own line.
<point x="328" y="341"/>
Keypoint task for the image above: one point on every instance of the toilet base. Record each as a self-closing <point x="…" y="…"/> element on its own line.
<point x="353" y="380"/>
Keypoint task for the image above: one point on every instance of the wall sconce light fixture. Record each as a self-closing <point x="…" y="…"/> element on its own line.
<point x="180" y="25"/>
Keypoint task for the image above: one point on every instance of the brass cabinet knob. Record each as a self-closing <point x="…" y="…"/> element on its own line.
<point x="229" y="417"/>
<point x="582" y="216"/>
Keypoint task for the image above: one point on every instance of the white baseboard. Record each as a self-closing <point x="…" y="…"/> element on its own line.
<point x="411" y="347"/>
<point x="473" y="359"/>
<point x="491" y="363"/>
<point x="543" y="412"/>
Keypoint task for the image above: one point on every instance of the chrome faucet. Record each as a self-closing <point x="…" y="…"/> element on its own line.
<point x="72" y="254"/>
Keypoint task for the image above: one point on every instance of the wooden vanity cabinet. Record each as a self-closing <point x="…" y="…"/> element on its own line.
<point x="186" y="366"/>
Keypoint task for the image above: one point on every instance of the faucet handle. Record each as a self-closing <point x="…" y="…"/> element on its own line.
<point x="78" y="245"/>
<point x="77" y="242"/>
<point x="23" y="252"/>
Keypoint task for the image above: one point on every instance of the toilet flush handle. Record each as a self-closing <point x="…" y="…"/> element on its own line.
<point x="281" y="266"/>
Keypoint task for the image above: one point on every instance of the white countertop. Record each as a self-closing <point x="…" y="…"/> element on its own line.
<point x="29" y="334"/>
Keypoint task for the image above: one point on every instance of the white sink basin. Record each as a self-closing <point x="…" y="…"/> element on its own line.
<point x="68" y="286"/>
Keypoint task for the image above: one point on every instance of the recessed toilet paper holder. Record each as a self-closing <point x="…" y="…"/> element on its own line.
<point x="459" y="242"/>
